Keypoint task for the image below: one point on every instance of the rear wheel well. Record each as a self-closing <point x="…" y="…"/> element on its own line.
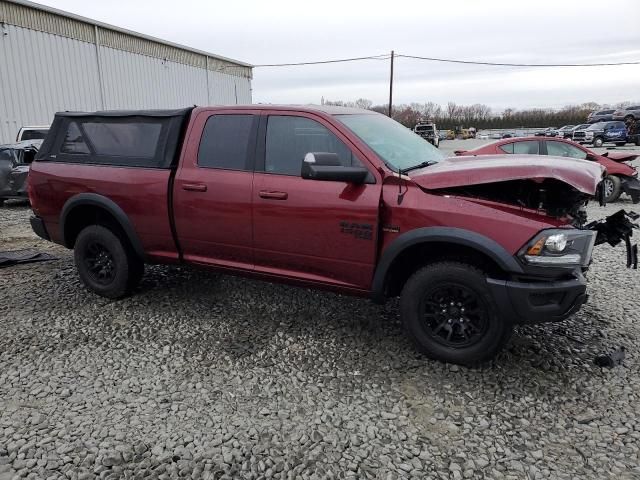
<point x="83" y="216"/>
<point x="417" y="256"/>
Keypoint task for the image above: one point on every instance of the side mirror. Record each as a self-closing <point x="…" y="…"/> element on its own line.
<point x="592" y="157"/>
<point x="326" y="166"/>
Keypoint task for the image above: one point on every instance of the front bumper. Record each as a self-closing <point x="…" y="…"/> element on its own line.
<point x="631" y="186"/>
<point x="39" y="228"/>
<point x="536" y="302"/>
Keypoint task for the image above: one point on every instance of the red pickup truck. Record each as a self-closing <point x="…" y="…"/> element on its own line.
<point x="325" y="197"/>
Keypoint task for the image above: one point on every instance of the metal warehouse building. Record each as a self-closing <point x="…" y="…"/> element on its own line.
<point x="51" y="60"/>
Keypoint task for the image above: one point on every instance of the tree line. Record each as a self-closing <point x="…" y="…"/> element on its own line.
<point x="479" y="115"/>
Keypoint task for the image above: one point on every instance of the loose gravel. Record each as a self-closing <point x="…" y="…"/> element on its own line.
<point x="205" y="376"/>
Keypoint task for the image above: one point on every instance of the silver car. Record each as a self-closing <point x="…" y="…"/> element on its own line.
<point x="627" y="113"/>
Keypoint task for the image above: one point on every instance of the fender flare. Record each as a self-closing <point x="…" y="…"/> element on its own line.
<point x="505" y="260"/>
<point x="100" y="201"/>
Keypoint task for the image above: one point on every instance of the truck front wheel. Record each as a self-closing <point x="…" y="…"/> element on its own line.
<point x="450" y="314"/>
<point x="598" y="141"/>
<point x="105" y="263"/>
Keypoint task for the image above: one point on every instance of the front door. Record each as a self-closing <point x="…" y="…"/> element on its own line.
<point x="212" y="191"/>
<point x="320" y="231"/>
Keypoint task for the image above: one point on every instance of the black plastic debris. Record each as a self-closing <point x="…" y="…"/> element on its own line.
<point x="15" y="257"/>
<point x="610" y="359"/>
<point x="615" y="229"/>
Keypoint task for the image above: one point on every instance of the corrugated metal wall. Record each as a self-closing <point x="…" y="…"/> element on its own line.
<point x="43" y="72"/>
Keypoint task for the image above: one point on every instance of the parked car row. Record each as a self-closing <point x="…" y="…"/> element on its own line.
<point x="597" y="134"/>
<point x="625" y="114"/>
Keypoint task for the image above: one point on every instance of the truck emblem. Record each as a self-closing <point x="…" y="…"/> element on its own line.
<point x="358" y="230"/>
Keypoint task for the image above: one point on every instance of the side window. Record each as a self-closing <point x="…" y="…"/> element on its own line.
<point x="290" y="138"/>
<point x="561" y="149"/>
<point x="225" y="142"/>
<point x="138" y="140"/>
<point x="6" y="155"/>
<point x="507" y="148"/>
<point x="74" y="142"/>
<point x="526" y="148"/>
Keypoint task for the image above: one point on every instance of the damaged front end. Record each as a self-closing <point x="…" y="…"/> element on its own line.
<point x="560" y="189"/>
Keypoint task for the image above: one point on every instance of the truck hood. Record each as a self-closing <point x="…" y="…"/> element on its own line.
<point x="463" y="171"/>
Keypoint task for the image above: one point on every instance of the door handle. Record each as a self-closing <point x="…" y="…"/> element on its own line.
<point x="273" y="195"/>
<point x="194" y="187"/>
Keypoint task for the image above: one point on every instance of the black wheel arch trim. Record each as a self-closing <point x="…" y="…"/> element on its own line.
<point x="459" y="236"/>
<point x="100" y="201"/>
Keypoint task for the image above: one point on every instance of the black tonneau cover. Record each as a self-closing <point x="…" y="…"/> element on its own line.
<point x="134" y="138"/>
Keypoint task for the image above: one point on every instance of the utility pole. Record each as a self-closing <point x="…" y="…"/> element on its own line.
<point x="391" y="86"/>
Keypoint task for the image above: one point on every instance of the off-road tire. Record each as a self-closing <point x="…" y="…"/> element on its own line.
<point x="124" y="267"/>
<point x="615" y="185"/>
<point x="427" y="280"/>
<point x="598" y="142"/>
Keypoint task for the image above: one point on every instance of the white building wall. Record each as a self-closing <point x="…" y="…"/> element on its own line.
<point x="42" y="73"/>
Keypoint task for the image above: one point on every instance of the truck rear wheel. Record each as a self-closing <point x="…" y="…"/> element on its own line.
<point x="450" y="314"/>
<point x="105" y="263"/>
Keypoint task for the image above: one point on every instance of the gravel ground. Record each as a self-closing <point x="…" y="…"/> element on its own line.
<point x="204" y="376"/>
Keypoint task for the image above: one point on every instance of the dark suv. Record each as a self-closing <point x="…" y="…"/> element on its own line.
<point x="606" y="132"/>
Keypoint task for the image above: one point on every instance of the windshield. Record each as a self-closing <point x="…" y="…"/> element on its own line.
<point x="597" y="126"/>
<point x="395" y="144"/>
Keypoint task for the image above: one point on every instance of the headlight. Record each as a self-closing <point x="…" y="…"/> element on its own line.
<point x="559" y="247"/>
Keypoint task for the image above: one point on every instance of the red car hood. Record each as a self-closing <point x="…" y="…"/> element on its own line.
<point x="621" y="157"/>
<point x="582" y="175"/>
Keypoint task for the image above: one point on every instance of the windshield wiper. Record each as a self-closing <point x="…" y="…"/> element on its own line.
<point x="428" y="163"/>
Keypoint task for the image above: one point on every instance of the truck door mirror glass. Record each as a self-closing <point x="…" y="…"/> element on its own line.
<point x="326" y="166"/>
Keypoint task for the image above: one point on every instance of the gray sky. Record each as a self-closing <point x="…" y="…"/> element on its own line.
<point x="278" y="31"/>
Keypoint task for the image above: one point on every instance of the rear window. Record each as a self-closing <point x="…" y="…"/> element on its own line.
<point x="115" y="141"/>
<point x="33" y="134"/>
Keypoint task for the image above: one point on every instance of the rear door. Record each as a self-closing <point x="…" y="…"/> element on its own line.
<point x="319" y="231"/>
<point x="212" y="190"/>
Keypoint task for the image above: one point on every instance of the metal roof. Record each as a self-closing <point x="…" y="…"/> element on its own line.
<point x="106" y="26"/>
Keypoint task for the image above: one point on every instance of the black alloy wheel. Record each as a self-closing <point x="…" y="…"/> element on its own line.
<point x="454" y="315"/>
<point x="106" y="263"/>
<point x="100" y="263"/>
<point x="451" y="315"/>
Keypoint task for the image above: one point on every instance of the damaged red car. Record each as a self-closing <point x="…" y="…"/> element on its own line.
<point x="620" y="178"/>
<point x="326" y="197"/>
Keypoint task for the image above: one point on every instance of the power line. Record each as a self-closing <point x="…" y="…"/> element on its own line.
<point x="341" y="60"/>
<point x="447" y="60"/>
<point x="499" y="64"/>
